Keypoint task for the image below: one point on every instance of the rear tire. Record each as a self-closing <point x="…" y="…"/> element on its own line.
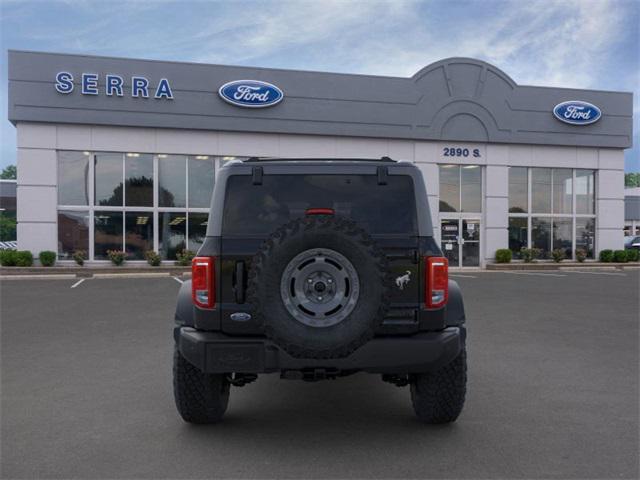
<point x="200" y="397"/>
<point x="438" y="397"/>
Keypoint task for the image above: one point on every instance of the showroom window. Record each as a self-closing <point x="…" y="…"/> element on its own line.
<point x="460" y="188"/>
<point x="552" y="208"/>
<point x="133" y="202"/>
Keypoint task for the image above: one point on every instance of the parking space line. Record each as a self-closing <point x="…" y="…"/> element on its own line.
<point x="599" y="273"/>
<point x="78" y="283"/>
<point x="538" y="274"/>
<point x="461" y="276"/>
<point x="178" y="280"/>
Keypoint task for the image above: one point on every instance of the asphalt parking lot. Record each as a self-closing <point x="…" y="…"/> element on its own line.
<point x="553" y="391"/>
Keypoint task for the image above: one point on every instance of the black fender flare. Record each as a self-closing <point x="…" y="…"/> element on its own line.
<point x="184" y="307"/>
<point x="454" y="311"/>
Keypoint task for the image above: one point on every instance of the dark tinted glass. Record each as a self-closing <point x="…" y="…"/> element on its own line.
<point x="585" y="191"/>
<point x="541" y="190"/>
<point x="172" y="179"/>
<point x="138" y="234"/>
<point x="108" y="233"/>
<point x="138" y="172"/>
<point x="108" y="179"/>
<point x="172" y="231"/>
<point x="449" y="188"/>
<point x="260" y="209"/>
<point x="73" y="178"/>
<point x="517" y="235"/>
<point x="518" y="190"/>
<point x="585" y="235"/>
<point x="73" y="233"/>
<point x="562" y="190"/>
<point x="541" y="235"/>
<point x="562" y="235"/>
<point x="201" y="178"/>
<point x="471" y="188"/>
<point x="197" y="230"/>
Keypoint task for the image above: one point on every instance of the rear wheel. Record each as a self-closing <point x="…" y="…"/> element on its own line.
<point x="438" y="397"/>
<point x="200" y="397"/>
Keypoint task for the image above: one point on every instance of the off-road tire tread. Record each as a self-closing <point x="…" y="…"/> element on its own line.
<point x="200" y="398"/>
<point x="279" y="236"/>
<point x="438" y="397"/>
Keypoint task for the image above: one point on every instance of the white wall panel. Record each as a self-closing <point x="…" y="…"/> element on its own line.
<point x="494" y="239"/>
<point x="497" y="181"/>
<point x="73" y="137"/>
<point x="610" y="184"/>
<point x="189" y="142"/>
<point x="401" y="150"/>
<point x="37" y="167"/>
<point x="123" y="139"/>
<point x="610" y="214"/>
<point x="612" y="158"/>
<point x="496" y="212"/>
<point x="37" y="237"/>
<point x="36" y="204"/>
<point x="350" y="147"/>
<point x="36" y="135"/>
<point x="307" y="146"/>
<point x="253" y="144"/>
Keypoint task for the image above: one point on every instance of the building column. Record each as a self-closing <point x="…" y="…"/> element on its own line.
<point x="610" y="200"/>
<point x="431" y="177"/>
<point x="496" y="210"/>
<point x="36" y="193"/>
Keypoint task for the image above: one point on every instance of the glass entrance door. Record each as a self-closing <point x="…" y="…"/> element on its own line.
<point x="461" y="241"/>
<point x="470" y="243"/>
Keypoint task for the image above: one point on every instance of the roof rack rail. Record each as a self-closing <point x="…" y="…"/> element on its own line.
<point x="277" y="159"/>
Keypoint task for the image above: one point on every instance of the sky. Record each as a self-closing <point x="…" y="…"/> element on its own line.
<point x="565" y="43"/>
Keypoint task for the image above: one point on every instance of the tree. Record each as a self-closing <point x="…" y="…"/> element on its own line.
<point x="632" y="179"/>
<point x="9" y="172"/>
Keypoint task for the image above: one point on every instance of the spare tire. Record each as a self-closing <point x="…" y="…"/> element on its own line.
<point x="319" y="287"/>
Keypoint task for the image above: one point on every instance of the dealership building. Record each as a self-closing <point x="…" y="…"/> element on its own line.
<point x="117" y="153"/>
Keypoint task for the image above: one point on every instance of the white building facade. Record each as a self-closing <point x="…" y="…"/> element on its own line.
<point x="111" y="170"/>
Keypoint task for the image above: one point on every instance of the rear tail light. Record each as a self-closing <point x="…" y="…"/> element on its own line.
<point x="436" y="281"/>
<point x="319" y="211"/>
<point x="203" y="290"/>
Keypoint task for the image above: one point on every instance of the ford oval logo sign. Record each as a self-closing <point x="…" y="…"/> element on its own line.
<point x="251" y="93"/>
<point x="577" y="112"/>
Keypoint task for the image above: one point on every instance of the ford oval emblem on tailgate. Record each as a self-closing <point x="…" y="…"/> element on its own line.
<point x="250" y="93"/>
<point x="240" y="317"/>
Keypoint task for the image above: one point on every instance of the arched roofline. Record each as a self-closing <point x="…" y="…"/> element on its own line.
<point x="446" y="62"/>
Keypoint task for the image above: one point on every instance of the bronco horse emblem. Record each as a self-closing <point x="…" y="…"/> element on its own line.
<point x="402" y="280"/>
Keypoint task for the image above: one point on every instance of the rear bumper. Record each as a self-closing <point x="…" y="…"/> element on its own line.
<point x="214" y="352"/>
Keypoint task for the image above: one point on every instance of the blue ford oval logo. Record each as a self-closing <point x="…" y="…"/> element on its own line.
<point x="250" y="93"/>
<point x="577" y="112"/>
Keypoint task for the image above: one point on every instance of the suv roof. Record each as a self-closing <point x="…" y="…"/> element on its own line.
<point x="383" y="160"/>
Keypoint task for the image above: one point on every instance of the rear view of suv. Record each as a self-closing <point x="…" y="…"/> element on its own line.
<point x="317" y="269"/>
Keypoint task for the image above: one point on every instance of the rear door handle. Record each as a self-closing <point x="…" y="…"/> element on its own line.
<point x="240" y="282"/>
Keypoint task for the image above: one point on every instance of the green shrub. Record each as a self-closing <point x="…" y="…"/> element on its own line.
<point x="47" y="258"/>
<point x="620" y="256"/>
<point x="606" y="256"/>
<point x="24" y="258"/>
<point x="633" y="255"/>
<point x="8" y="258"/>
<point x="153" y="258"/>
<point x="184" y="257"/>
<point x="117" y="257"/>
<point x="581" y="254"/>
<point x="558" y="255"/>
<point x="80" y="256"/>
<point x="526" y="254"/>
<point x="503" y="255"/>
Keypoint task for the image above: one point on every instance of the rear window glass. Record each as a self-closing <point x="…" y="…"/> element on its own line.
<point x="260" y="209"/>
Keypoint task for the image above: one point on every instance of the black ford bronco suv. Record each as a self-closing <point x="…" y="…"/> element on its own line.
<point x="318" y="269"/>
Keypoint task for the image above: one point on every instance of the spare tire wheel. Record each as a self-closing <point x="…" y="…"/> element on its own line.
<point x="318" y="287"/>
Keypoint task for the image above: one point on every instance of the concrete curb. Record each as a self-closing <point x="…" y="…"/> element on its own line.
<point x="562" y="266"/>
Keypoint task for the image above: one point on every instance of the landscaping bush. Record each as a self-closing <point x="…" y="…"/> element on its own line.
<point x="47" y="258"/>
<point x="581" y="254"/>
<point x="620" y="256"/>
<point x="153" y="258"/>
<point x="503" y="255"/>
<point x="606" y="256"/>
<point x="117" y="257"/>
<point x="24" y="258"/>
<point x="184" y="257"/>
<point x="633" y="255"/>
<point x="80" y="256"/>
<point x="558" y="255"/>
<point x="526" y="254"/>
<point x="8" y="258"/>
